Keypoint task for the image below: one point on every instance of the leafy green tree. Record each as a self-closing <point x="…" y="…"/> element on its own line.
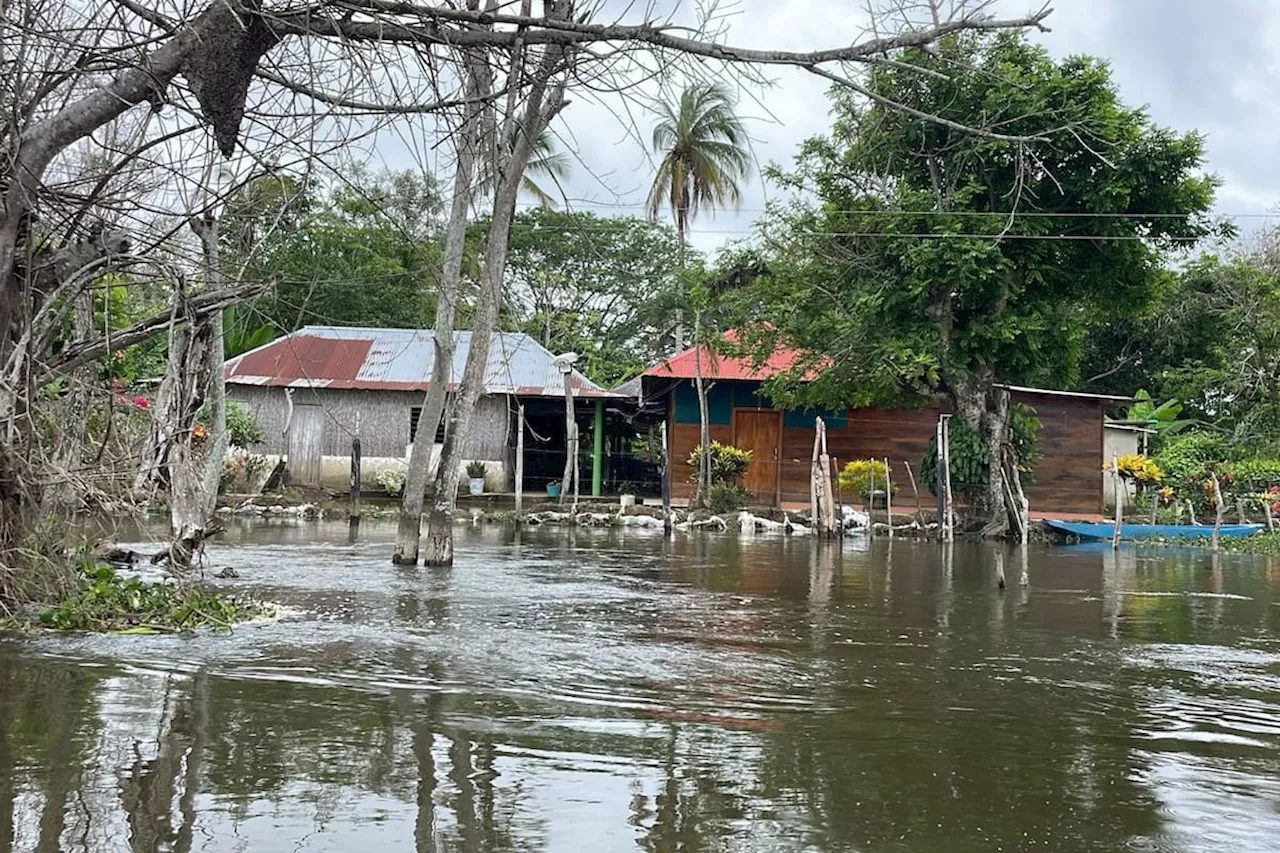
<point x="365" y="252"/>
<point x="705" y="155"/>
<point x="940" y="262"/>
<point x="599" y="286"/>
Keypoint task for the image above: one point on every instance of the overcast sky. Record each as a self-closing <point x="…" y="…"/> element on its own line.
<point x="1211" y="65"/>
<point x="1208" y="65"/>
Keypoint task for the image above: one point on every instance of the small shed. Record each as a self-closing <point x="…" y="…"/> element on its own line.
<point x="1070" y="439"/>
<point x="330" y="384"/>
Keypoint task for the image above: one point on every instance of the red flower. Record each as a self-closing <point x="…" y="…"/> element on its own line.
<point x="140" y="401"/>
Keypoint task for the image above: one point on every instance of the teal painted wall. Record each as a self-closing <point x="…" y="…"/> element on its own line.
<point x="726" y="395"/>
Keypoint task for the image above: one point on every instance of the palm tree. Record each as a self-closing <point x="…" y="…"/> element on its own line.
<point x="705" y="155"/>
<point x="545" y="161"/>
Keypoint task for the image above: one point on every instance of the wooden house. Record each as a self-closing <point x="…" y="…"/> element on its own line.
<point x="1067" y="477"/>
<point x="330" y="384"/>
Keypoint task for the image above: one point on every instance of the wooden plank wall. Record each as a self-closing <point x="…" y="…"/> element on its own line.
<point x="1067" y="476"/>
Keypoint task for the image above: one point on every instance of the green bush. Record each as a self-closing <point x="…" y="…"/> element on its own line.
<point x="728" y="463"/>
<point x="856" y="477"/>
<point x="726" y="497"/>
<point x="476" y="469"/>
<point x="391" y="480"/>
<point x="1254" y="474"/>
<point x="969" y="460"/>
<point x="243" y="428"/>
<point x="1186" y="456"/>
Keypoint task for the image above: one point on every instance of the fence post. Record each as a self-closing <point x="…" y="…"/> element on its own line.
<point x="664" y="466"/>
<point x="1118" y="488"/>
<point x="519" y="463"/>
<point x="888" y="496"/>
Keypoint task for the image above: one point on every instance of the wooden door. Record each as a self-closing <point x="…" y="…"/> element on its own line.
<point x="306" y="436"/>
<point x="761" y="433"/>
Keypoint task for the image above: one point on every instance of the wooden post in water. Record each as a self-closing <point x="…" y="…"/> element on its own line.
<point x="946" y="469"/>
<point x="916" y="491"/>
<point x="1266" y="511"/>
<point x="1000" y="583"/>
<point x="1191" y="511"/>
<point x="666" y="479"/>
<point x="1024" y="579"/>
<point x="1217" y="518"/>
<point x="888" y="496"/>
<point x="871" y="501"/>
<point x="813" y="477"/>
<point x="520" y="464"/>
<point x="1116" y="487"/>
<point x="826" y="493"/>
<point x="355" y="480"/>
<point x="1240" y="510"/>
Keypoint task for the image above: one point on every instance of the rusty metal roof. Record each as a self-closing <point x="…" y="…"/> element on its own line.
<point x="352" y="357"/>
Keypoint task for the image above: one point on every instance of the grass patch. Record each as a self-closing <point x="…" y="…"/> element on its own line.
<point x="103" y="601"/>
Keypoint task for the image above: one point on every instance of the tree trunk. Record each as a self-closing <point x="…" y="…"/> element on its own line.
<point x="433" y="408"/>
<point x="215" y="396"/>
<point x="701" y="494"/>
<point x="540" y="108"/>
<point x="985" y="409"/>
<point x="69" y="442"/>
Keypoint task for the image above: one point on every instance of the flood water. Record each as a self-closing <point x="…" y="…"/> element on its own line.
<point x="596" y="691"/>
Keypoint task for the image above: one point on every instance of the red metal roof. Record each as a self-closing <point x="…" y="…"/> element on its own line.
<point x="716" y="366"/>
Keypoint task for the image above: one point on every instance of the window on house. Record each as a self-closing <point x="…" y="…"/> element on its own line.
<point x="415" y="414"/>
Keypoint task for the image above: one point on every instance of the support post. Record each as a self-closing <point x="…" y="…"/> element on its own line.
<point x="999" y="555"/>
<point x="1266" y="510"/>
<point x="519" y="463"/>
<point x="888" y="496"/>
<point x="666" y="478"/>
<point x="597" y="450"/>
<point x="825" y="492"/>
<point x="916" y="491"/>
<point x="1118" y="488"/>
<point x="1217" y="517"/>
<point x="814" y="509"/>
<point x="946" y="469"/>
<point x="355" y="480"/>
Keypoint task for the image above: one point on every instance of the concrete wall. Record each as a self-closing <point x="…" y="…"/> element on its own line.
<point x="383" y="417"/>
<point x="1117" y="442"/>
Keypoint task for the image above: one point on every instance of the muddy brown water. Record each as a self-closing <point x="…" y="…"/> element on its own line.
<point x="610" y="690"/>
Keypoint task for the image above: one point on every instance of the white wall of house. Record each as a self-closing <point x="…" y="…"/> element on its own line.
<point x="1117" y="441"/>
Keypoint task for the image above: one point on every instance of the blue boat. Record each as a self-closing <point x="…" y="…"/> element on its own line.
<point x="1106" y="529"/>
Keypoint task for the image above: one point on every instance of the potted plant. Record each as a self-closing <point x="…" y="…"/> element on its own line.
<point x="476" y="471"/>
<point x="626" y="495"/>
<point x="553" y="489"/>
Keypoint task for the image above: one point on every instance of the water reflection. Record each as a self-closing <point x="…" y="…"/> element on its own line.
<point x="625" y="692"/>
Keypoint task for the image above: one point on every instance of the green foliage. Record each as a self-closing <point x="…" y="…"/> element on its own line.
<point x="105" y="601"/>
<point x="1162" y="418"/>
<point x="1187" y="456"/>
<point x="362" y="252"/>
<point x="1024" y="426"/>
<point x="727" y="497"/>
<point x="728" y="463"/>
<point x="856" y="476"/>
<point x="604" y="287"/>
<point x="1255" y="475"/>
<point x="243" y="428"/>
<point x="855" y="278"/>
<point x="476" y="469"/>
<point x="239" y="334"/>
<point x="970" y="460"/>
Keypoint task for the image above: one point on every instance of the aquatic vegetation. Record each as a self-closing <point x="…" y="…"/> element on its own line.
<point x="103" y="600"/>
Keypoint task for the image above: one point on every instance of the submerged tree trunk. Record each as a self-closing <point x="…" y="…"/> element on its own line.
<point x="433" y="408"/>
<point x="540" y="107"/>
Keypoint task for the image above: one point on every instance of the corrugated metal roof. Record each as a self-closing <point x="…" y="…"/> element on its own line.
<point x="401" y="360"/>
<point x="714" y="366"/>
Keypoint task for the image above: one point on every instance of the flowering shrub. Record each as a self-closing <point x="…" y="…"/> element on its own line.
<point x="728" y="463"/>
<point x="241" y="471"/>
<point x="1139" y="468"/>
<point x="391" y="480"/>
<point x="856" y="476"/>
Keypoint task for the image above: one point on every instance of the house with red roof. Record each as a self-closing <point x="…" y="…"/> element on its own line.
<point x="1067" y="476"/>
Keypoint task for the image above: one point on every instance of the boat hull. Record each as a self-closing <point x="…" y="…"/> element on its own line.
<point x="1105" y="530"/>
